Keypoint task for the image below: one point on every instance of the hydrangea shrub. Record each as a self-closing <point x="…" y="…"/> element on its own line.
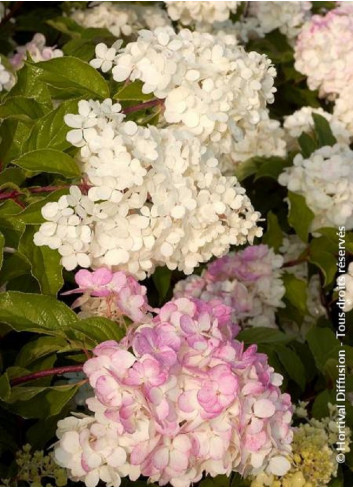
<point x="176" y="189"/>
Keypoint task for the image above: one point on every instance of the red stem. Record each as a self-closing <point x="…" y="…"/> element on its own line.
<point x="39" y="190"/>
<point x="144" y="105"/>
<point x="46" y="373"/>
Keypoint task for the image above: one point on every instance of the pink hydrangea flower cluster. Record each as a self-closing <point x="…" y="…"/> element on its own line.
<point x="248" y="281"/>
<point x="37" y="50"/>
<point x="324" y="51"/>
<point x="178" y="399"/>
<point x="110" y="294"/>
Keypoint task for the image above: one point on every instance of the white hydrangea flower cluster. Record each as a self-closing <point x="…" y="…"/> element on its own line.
<point x="343" y="109"/>
<point x="121" y="19"/>
<point x="325" y="179"/>
<point x="6" y="78"/>
<point x="188" y="13"/>
<point x="264" y="17"/>
<point x="328" y="70"/>
<point x="302" y="121"/>
<point x="157" y="197"/>
<point x="216" y="91"/>
<point x="347" y="281"/>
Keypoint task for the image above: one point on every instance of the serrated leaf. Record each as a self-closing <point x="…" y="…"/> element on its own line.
<point x="296" y="291"/>
<point x="35" y="312"/>
<point x="300" y="216"/>
<point x="71" y="73"/>
<point x="49" y="160"/>
<point x="50" y="131"/>
<point x="44" y="262"/>
<point x="30" y="85"/>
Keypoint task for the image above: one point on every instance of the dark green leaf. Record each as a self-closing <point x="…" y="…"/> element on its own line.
<point x="32" y="214"/>
<point x="307" y="144"/>
<point x="2" y="243"/>
<point x="49" y="160"/>
<point x="272" y="167"/>
<point x="35" y="312"/>
<point x="132" y="91"/>
<point x="23" y="108"/>
<point x="94" y="330"/>
<point x="50" y="131"/>
<point x="161" y="279"/>
<point x="323" y="131"/>
<point x="71" y="73"/>
<point x="300" y="216"/>
<point x="263" y="335"/>
<point x="323" y="345"/>
<point x="292" y="364"/>
<point x="44" y="262"/>
<point x="38" y="348"/>
<point x="296" y="291"/>
<point x="274" y="234"/>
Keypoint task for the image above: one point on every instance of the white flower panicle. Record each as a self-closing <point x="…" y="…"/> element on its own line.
<point x="325" y="179"/>
<point x="215" y="90"/>
<point x="188" y="13"/>
<point x="324" y="51"/>
<point x="302" y="121"/>
<point x="157" y="197"/>
<point x="120" y="19"/>
<point x="288" y="17"/>
<point x="343" y="109"/>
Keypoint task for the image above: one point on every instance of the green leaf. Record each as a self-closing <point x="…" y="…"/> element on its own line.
<point x="272" y="167"/>
<point x="15" y="265"/>
<point x="32" y="214"/>
<point x="320" y="406"/>
<point x="10" y="226"/>
<point x="92" y="331"/>
<point x="5" y="389"/>
<point x="50" y="131"/>
<point x="49" y="160"/>
<point x="132" y="91"/>
<point x="35" y="312"/>
<point x="66" y="25"/>
<point x="307" y="144"/>
<point x="12" y="175"/>
<point x="2" y="243"/>
<point x="30" y="85"/>
<point x="71" y="73"/>
<point x="44" y="262"/>
<point x="323" y="345"/>
<point x="274" y="234"/>
<point x="161" y="279"/>
<point x="47" y="401"/>
<point x="322" y="254"/>
<point x="13" y="134"/>
<point x="292" y="364"/>
<point x="38" y="348"/>
<point x="300" y="216"/>
<point x="247" y="168"/>
<point x="22" y="108"/>
<point x="263" y="336"/>
<point x="323" y="131"/>
<point x="296" y="291"/>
